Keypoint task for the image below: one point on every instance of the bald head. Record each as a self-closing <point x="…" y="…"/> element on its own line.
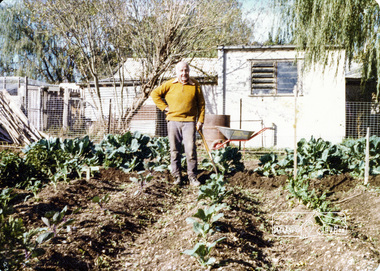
<point x="182" y="71"/>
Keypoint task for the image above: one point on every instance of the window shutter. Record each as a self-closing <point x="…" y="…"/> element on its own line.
<point x="263" y="77"/>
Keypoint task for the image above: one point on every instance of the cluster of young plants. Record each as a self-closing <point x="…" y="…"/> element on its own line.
<point x="160" y="153"/>
<point x="269" y="165"/>
<point x="354" y="155"/>
<point x="101" y="200"/>
<point x="56" y="221"/>
<point x="10" y="163"/>
<point x="15" y="172"/>
<point x="142" y="179"/>
<point x="17" y="244"/>
<point x="318" y="158"/>
<point x="205" y="220"/>
<point x="55" y="159"/>
<point x="60" y="159"/>
<point x="313" y="199"/>
<point x="214" y="191"/>
<point x="227" y="160"/>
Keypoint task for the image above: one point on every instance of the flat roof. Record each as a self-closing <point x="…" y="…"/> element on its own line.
<point x="257" y="47"/>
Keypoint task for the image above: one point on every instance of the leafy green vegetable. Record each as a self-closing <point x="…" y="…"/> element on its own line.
<point x="318" y="158"/>
<point x="61" y="159"/>
<point x="14" y="172"/>
<point x="127" y="151"/>
<point x="17" y="245"/>
<point x="228" y="160"/>
<point x="201" y="252"/>
<point x="214" y="189"/>
<point x="56" y="220"/>
<point x="160" y="153"/>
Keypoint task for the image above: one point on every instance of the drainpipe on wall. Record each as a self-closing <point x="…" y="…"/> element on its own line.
<point x="26" y="97"/>
<point x="224" y="80"/>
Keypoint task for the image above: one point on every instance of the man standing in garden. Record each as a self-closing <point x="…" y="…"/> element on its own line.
<point x="182" y="100"/>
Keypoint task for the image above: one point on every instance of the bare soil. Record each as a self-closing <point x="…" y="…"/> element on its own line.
<point x="144" y="228"/>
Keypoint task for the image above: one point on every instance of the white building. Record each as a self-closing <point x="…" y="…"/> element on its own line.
<point x="256" y="87"/>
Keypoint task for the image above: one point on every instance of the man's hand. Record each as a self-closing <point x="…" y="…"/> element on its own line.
<point x="166" y="110"/>
<point x="199" y="126"/>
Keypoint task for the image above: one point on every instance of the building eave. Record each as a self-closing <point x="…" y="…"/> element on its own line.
<point x="257" y="47"/>
<point x="210" y="80"/>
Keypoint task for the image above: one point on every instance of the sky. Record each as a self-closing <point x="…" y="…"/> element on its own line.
<point x="261" y="12"/>
<point x="257" y="10"/>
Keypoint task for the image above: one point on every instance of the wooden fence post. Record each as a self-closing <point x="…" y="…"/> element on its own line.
<point x="65" y="115"/>
<point x="109" y="117"/>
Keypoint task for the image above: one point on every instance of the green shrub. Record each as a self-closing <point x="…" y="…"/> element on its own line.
<point x="11" y="166"/>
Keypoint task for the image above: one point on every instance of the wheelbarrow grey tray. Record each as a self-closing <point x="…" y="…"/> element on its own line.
<point x="235" y="134"/>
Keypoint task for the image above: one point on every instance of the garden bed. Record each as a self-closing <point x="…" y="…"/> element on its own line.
<point x="145" y="228"/>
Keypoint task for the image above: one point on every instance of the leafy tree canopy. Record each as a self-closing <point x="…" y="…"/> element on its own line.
<point x="40" y="38"/>
<point x="99" y="35"/>
<point x="317" y="26"/>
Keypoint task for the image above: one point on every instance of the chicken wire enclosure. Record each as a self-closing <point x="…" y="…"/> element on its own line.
<point x="359" y="116"/>
<point x="80" y="122"/>
<point x="71" y="110"/>
<point x="49" y="111"/>
<point x="149" y="120"/>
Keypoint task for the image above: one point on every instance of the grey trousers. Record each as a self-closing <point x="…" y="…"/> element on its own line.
<point x="182" y="132"/>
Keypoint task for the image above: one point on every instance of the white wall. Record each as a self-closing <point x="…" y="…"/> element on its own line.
<point x="321" y="105"/>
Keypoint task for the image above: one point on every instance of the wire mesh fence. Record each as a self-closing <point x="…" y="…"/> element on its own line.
<point x="359" y="116"/>
<point x="70" y="112"/>
<point x="77" y="116"/>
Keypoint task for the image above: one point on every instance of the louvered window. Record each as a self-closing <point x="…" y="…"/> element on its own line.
<point x="273" y="77"/>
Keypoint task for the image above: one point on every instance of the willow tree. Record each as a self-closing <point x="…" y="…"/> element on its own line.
<point x="77" y="25"/>
<point x="317" y="27"/>
<point x="28" y="48"/>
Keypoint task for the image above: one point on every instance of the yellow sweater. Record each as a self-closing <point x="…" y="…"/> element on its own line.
<point x="185" y="102"/>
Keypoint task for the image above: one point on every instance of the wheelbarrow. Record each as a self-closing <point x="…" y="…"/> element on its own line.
<point x="236" y="135"/>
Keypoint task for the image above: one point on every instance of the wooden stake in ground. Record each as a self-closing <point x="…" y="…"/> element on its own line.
<point x="295" y="133"/>
<point x="366" y="169"/>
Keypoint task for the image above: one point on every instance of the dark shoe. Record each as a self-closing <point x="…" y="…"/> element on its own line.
<point x="177" y="180"/>
<point x="194" y="182"/>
